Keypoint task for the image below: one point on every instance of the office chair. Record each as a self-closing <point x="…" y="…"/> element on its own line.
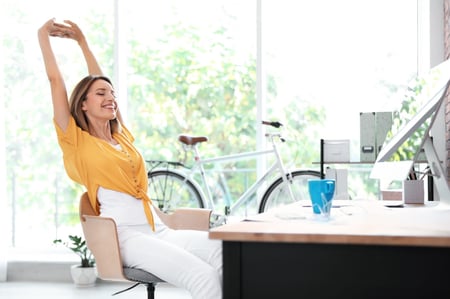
<point x="101" y="238"/>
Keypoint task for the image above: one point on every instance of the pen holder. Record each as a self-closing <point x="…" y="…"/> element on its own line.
<point x="413" y="192"/>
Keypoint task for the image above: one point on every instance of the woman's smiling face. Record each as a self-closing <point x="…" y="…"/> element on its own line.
<point x="100" y="102"/>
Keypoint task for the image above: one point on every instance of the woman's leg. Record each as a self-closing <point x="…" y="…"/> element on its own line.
<point x="186" y="259"/>
<point x="197" y="243"/>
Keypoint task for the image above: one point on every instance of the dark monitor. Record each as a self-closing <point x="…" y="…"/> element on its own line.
<point x="427" y="94"/>
<point x="410" y="134"/>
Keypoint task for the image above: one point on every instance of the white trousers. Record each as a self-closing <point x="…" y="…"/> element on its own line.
<point x="184" y="258"/>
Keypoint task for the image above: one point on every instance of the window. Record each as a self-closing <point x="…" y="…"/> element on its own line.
<point x="191" y="66"/>
<point x="41" y="200"/>
<point x="327" y="61"/>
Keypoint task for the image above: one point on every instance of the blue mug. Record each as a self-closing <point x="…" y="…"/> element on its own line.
<point x="321" y="193"/>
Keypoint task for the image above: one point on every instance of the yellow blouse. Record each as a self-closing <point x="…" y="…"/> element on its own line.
<point x="93" y="162"/>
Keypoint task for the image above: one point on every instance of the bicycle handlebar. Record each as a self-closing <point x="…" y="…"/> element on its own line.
<point x="275" y="124"/>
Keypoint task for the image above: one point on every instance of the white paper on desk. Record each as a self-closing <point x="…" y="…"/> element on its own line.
<point x="277" y="215"/>
<point x="290" y="215"/>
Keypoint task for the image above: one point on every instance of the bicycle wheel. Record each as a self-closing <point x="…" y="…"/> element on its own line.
<point x="172" y="190"/>
<point x="277" y="194"/>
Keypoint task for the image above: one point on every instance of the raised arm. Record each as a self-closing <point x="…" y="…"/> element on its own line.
<point x="61" y="112"/>
<point x="74" y="32"/>
<point x="70" y="30"/>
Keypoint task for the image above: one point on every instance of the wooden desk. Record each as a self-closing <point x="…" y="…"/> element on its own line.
<point x="365" y="250"/>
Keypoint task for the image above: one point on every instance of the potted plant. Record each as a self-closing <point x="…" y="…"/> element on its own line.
<point x="83" y="274"/>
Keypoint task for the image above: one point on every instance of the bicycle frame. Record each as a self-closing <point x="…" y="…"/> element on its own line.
<point x="278" y="164"/>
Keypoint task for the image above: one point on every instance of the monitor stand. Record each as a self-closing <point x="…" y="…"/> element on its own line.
<point x="437" y="171"/>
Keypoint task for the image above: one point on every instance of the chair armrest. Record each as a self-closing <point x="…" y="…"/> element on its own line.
<point x="186" y="218"/>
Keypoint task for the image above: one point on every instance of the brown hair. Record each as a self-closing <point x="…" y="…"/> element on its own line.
<point x="79" y="95"/>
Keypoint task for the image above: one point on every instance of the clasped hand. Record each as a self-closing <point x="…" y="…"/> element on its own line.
<point x="65" y="29"/>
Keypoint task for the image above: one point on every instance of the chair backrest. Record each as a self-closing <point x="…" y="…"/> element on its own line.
<point x="101" y="238"/>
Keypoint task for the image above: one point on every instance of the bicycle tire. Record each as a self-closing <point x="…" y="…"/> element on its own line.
<point x="171" y="190"/>
<point x="277" y="193"/>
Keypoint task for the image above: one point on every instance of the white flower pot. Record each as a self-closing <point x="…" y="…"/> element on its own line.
<point x="83" y="277"/>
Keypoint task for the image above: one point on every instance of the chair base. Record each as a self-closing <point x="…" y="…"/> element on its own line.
<point x="150" y="289"/>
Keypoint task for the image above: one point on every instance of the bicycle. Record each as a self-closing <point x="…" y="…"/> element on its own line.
<point x="172" y="184"/>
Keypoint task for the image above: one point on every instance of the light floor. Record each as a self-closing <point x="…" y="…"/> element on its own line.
<point x="67" y="290"/>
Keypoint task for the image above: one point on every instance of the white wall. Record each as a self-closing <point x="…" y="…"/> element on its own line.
<point x="3" y="231"/>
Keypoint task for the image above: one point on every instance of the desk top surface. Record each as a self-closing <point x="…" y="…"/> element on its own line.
<point x="351" y="222"/>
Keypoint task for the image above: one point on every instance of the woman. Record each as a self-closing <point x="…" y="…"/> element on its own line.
<point x="98" y="153"/>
